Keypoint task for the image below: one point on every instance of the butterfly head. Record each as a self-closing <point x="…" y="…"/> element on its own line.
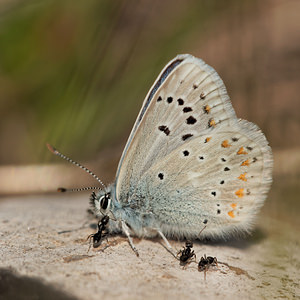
<point x="101" y="203"/>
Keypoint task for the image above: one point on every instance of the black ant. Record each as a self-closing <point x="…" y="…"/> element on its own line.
<point x="186" y="254"/>
<point x="97" y="237"/>
<point x="205" y="263"/>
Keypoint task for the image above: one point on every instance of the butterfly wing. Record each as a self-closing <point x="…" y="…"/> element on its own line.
<point x="186" y="114"/>
<point x="185" y="80"/>
<point x="159" y="81"/>
<point x="219" y="181"/>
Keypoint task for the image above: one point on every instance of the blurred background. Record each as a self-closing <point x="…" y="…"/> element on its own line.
<point x="75" y="73"/>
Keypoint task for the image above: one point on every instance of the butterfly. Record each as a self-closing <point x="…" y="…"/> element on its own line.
<point x="189" y="162"/>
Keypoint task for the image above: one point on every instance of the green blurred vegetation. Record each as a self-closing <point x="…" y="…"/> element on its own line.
<point x="68" y="76"/>
<point x="74" y="73"/>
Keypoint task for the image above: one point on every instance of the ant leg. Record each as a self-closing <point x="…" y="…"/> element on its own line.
<point x="126" y="231"/>
<point x="89" y="248"/>
<point x="178" y="254"/>
<point x="90" y="241"/>
<point x="216" y="262"/>
<point x="195" y="259"/>
<point x="105" y="234"/>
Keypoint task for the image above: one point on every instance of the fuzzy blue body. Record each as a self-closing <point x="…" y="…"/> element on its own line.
<point x="142" y="222"/>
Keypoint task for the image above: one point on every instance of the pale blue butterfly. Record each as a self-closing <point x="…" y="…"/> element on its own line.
<point x="189" y="162"/>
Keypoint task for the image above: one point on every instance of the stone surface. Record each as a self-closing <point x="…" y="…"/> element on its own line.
<point x="44" y="255"/>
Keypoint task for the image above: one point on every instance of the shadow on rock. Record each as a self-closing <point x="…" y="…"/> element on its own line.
<point x="242" y="242"/>
<point x="14" y="286"/>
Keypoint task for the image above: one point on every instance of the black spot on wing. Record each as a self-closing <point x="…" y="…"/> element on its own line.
<point x="180" y="101"/>
<point x="169" y="100"/>
<point x="186" y="136"/>
<point x="191" y="120"/>
<point x="187" y="109"/>
<point x="186" y="153"/>
<point x="164" y="129"/>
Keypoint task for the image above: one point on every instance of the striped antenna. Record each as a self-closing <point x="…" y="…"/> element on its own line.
<point x="56" y="152"/>
<point x="63" y="190"/>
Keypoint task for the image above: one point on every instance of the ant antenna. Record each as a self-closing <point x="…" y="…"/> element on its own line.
<point x="56" y="152"/>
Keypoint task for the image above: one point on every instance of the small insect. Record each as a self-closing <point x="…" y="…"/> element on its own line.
<point x="97" y="237"/>
<point x="187" y="254"/>
<point x="206" y="262"/>
<point x="188" y="161"/>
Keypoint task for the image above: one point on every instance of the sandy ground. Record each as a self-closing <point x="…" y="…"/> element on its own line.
<point x="44" y="255"/>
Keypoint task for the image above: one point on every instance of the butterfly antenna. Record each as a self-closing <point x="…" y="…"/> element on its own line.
<point x="56" y="152"/>
<point x="63" y="190"/>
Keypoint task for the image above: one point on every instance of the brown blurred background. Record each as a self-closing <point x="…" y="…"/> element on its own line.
<point x="75" y="73"/>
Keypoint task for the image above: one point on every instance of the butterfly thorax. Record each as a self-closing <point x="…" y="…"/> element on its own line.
<point x="140" y="221"/>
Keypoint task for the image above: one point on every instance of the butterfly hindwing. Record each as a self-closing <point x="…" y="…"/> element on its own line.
<point x="219" y="182"/>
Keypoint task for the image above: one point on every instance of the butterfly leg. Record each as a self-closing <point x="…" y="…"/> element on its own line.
<point x="170" y="249"/>
<point x="126" y="231"/>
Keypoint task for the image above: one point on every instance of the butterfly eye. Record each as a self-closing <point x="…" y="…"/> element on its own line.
<point x="105" y="201"/>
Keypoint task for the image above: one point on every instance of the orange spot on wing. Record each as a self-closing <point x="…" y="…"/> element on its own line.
<point x="245" y="163"/>
<point x="242" y="151"/>
<point x="240" y="193"/>
<point x="207" y="139"/>
<point x="225" y="144"/>
<point x="243" y="177"/>
<point x="212" y="123"/>
<point x="233" y="205"/>
<point x="207" y="109"/>
<point x="231" y="214"/>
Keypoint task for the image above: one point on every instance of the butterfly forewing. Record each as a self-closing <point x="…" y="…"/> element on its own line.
<point x="159" y="81"/>
<point x="180" y="109"/>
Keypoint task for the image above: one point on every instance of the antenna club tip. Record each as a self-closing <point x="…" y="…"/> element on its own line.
<point x="61" y="189"/>
<point x="51" y="148"/>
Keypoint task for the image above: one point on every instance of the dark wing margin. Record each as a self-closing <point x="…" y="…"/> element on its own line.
<point x="164" y="74"/>
<point x="159" y="82"/>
